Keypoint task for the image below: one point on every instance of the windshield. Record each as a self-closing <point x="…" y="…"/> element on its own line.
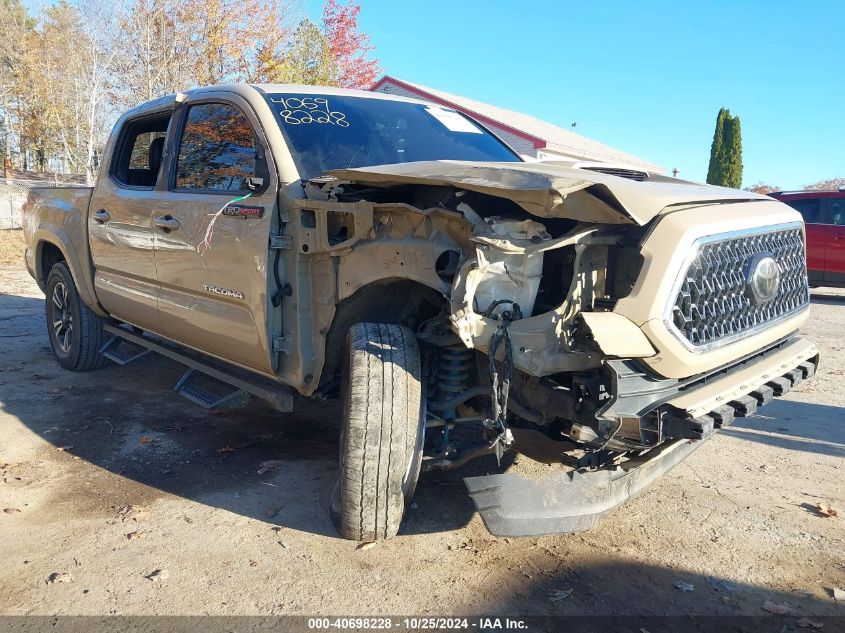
<point x="335" y="132"/>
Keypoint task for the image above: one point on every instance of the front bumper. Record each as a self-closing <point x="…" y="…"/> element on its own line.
<point x="512" y="505"/>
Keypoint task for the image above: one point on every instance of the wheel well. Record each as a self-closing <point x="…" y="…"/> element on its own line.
<point x="48" y="256"/>
<point x="400" y="301"/>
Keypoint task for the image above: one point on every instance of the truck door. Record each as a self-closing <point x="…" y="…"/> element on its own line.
<point x="120" y="229"/>
<point x="835" y="253"/>
<point x="212" y="232"/>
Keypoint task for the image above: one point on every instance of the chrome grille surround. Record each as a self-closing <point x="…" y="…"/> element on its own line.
<point x="708" y="305"/>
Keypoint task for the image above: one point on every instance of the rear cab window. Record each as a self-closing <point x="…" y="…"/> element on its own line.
<point x="326" y="132"/>
<point x="217" y="151"/>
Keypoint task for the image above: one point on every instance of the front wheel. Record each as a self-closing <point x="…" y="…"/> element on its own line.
<point x="76" y="333"/>
<point x="383" y="430"/>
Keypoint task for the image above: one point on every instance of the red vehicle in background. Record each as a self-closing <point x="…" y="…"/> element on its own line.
<point x="824" y="215"/>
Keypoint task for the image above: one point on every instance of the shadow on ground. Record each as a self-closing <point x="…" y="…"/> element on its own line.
<point x="796" y="426"/>
<point x="635" y="596"/>
<point x="827" y="298"/>
<point x="278" y="468"/>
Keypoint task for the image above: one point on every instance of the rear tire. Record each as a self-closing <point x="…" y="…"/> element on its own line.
<point x="76" y="333"/>
<point x="382" y="434"/>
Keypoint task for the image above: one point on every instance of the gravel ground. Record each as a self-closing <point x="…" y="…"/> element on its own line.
<point x="110" y="476"/>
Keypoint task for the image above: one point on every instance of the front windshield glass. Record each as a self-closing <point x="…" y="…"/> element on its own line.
<point x="336" y="132"/>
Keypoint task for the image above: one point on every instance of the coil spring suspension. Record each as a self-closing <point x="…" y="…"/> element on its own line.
<point x="453" y="363"/>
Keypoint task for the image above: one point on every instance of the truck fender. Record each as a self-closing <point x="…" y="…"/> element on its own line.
<point x="83" y="274"/>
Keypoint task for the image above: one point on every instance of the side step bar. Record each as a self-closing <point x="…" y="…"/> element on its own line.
<point x="122" y="351"/>
<point x="194" y="385"/>
<point x="278" y="396"/>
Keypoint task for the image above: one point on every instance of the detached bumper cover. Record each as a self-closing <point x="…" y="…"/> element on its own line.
<point x="512" y="505"/>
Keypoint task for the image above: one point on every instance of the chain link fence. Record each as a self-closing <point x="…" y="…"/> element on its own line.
<point x="13" y="194"/>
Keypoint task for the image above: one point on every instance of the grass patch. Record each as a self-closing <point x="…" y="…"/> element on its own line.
<point x="12" y="247"/>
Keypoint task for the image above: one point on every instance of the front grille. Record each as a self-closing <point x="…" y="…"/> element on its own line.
<point x="630" y="174"/>
<point x="712" y="306"/>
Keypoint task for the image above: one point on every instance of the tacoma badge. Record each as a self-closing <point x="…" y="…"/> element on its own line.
<point x="225" y="292"/>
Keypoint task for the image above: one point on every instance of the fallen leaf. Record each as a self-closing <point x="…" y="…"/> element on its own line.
<point x="778" y="608"/>
<point x="719" y="584"/>
<point x="11" y="510"/>
<point x="58" y="577"/>
<point x="838" y="594"/>
<point x="132" y="536"/>
<point x="366" y="545"/>
<point x="62" y="449"/>
<point x="684" y="586"/>
<point x="159" y="575"/>
<point x="145" y="439"/>
<point x="226" y="449"/>
<point x="806" y="623"/>
<point x="134" y="513"/>
<point x="271" y="512"/>
<point x="826" y="511"/>
<point x="53" y="392"/>
<point x="269" y="465"/>
<point x="559" y="594"/>
<point x="728" y="600"/>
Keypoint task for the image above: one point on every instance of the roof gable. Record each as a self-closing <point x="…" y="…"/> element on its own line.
<point x="541" y="134"/>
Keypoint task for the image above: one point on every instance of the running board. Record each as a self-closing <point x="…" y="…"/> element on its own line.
<point x="511" y="505"/>
<point x="209" y="392"/>
<point x="122" y="351"/>
<point x="278" y="396"/>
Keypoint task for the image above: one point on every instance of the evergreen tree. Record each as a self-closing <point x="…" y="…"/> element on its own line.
<point x="725" y="167"/>
<point x="714" y="171"/>
<point x="733" y="153"/>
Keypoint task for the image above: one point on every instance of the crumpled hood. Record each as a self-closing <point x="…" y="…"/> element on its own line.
<point x="552" y="190"/>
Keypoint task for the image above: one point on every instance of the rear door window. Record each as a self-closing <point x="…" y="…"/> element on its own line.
<point x="217" y="151"/>
<point x="138" y="154"/>
<point x="810" y="208"/>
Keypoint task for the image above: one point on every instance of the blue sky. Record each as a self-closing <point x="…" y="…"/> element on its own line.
<point x="646" y="77"/>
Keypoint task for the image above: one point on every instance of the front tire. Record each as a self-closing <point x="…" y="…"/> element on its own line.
<point x="382" y="434"/>
<point x="76" y="333"/>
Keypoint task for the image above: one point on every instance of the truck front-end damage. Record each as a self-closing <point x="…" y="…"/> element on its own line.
<point x="620" y="322"/>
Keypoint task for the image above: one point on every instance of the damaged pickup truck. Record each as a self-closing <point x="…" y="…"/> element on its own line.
<point x="400" y="257"/>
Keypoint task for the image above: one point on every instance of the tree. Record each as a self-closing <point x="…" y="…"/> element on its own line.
<point x="308" y="58"/>
<point x="725" y="167"/>
<point x="349" y="47"/>
<point x="831" y="184"/>
<point x="732" y="147"/>
<point x="16" y="27"/>
<point x="155" y="58"/>
<point x="66" y="76"/>
<point x="715" y="169"/>
<point x="763" y="188"/>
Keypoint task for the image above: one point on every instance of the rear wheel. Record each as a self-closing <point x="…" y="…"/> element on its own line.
<point x="383" y="429"/>
<point x="76" y="333"/>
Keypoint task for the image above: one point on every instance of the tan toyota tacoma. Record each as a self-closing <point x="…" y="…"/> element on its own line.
<point x="459" y="301"/>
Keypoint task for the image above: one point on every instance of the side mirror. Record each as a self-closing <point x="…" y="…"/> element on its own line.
<point x="255" y="184"/>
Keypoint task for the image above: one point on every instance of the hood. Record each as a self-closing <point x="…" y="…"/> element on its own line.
<point x="552" y="190"/>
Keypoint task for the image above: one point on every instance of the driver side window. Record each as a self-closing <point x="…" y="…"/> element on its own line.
<point x="217" y="151"/>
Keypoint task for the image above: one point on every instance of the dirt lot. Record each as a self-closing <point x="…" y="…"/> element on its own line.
<point x="116" y="476"/>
